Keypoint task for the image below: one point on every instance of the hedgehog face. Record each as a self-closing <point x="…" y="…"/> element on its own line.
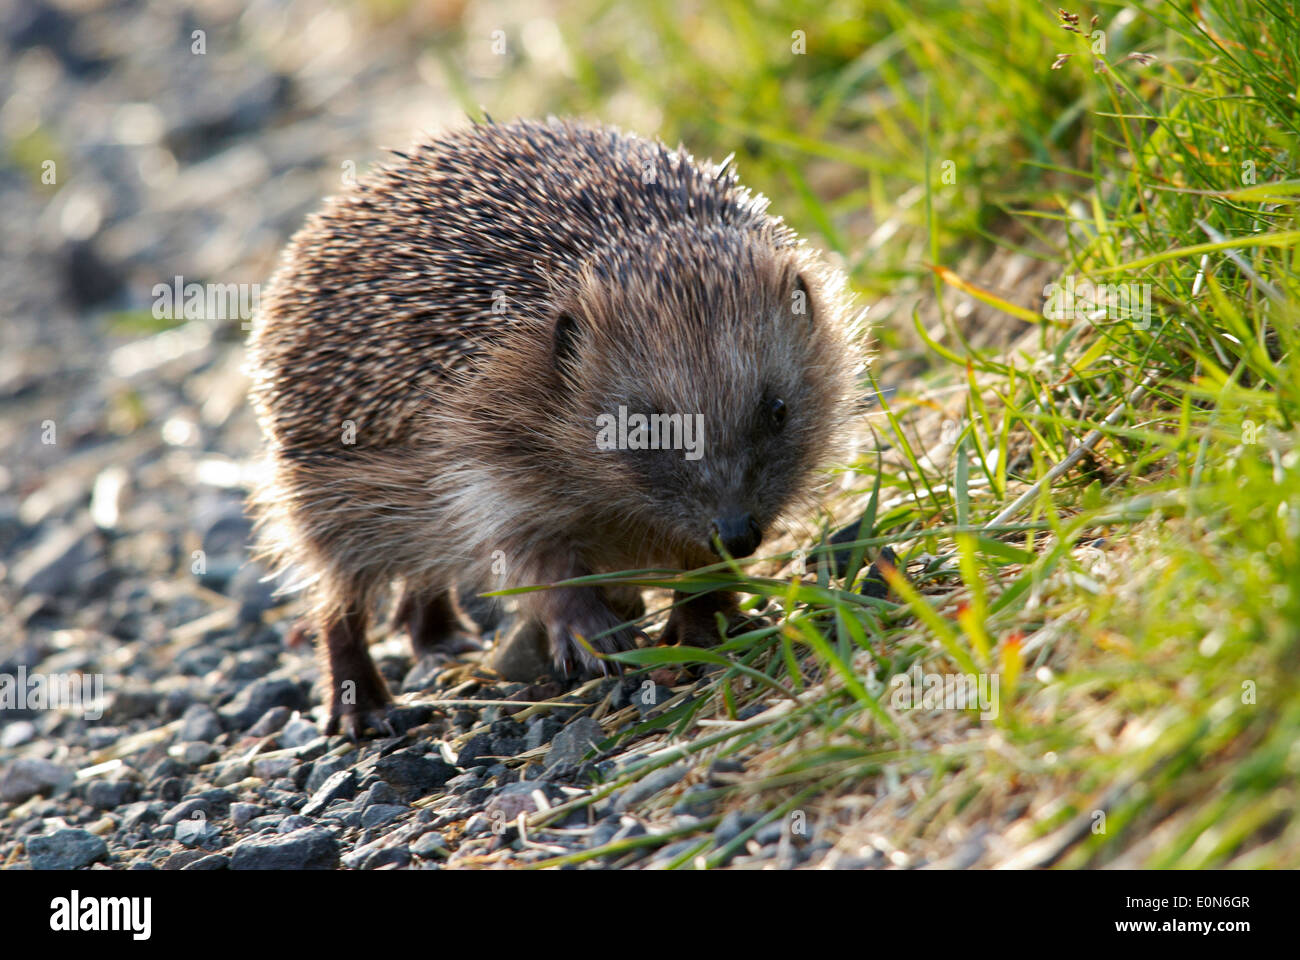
<point x="711" y="401"/>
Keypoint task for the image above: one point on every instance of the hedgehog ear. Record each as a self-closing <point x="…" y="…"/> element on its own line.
<point x="565" y="339"/>
<point x="801" y="304"/>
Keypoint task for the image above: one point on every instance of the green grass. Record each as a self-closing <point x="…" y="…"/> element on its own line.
<point x="1142" y="609"/>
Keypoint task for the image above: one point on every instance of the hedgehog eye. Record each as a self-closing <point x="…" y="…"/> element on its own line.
<point x="566" y="338"/>
<point x="776" y="412"/>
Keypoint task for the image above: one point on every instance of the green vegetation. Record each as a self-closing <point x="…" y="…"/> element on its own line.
<point x="1141" y="610"/>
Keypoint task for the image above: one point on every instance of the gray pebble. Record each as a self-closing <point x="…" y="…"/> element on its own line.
<point x="429" y="845"/>
<point x="28" y="776"/>
<point x="311" y="848"/>
<point x="213" y="861"/>
<point x="649" y="785"/>
<point x="242" y="813"/>
<point x="66" y="850"/>
<point x="186" y="809"/>
<point x="299" y="732"/>
<point x="574" y="742"/>
<point x="199" y="723"/>
<point x="193" y="833"/>
<point x="381" y="814"/>
<point x="340" y="785"/>
<point x="260" y="696"/>
<point x="412" y="774"/>
<point x="271" y="722"/>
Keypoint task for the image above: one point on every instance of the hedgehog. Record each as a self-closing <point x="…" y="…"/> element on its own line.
<point x="523" y="353"/>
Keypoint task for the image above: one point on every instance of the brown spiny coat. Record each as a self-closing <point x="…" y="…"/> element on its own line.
<point x="438" y="343"/>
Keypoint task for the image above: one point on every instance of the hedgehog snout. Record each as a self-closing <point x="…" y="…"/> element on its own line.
<point x="737" y="532"/>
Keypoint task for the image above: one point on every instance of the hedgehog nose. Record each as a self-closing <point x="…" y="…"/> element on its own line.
<point x="738" y="533"/>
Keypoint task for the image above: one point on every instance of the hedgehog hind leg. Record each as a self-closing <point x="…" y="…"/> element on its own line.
<point x="431" y="619"/>
<point x="359" y="698"/>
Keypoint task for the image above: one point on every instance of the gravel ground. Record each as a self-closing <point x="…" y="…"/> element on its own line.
<point x="128" y="449"/>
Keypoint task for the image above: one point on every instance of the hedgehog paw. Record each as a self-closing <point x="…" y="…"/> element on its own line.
<point x="577" y="648"/>
<point x="693" y="623"/>
<point x="353" y="722"/>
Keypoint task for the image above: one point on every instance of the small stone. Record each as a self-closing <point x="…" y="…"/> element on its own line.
<point x="463" y="783"/>
<point x="136" y="816"/>
<point x="213" y="861"/>
<point x="377" y="792"/>
<point x="60" y="564"/>
<point x="323" y="769"/>
<point x="724" y="771"/>
<point x="429" y="845"/>
<point x="341" y="785"/>
<point x="574" y="742"/>
<point x="164" y="769"/>
<point x="272" y="722"/>
<point x="186" y="809"/>
<point x="111" y="794"/>
<point x="197" y="754"/>
<point x="132" y="704"/>
<point x="541" y="731"/>
<point x="28" y="776"/>
<point x="769" y="833"/>
<point x="413" y="774"/>
<point x="381" y="814"/>
<point x="475" y="749"/>
<point x="182" y="859"/>
<point x="257" y="698"/>
<point x="216" y="795"/>
<point x="268" y="821"/>
<point x="233" y="772"/>
<point x="603" y="833"/>
<point x="649" y="785"/>
<point x="521" y="797"/>
<point x="66" y="850"/>
<point x="271" y="768"/>
<point x="16" y="733"/>
<point x="507" y="746"/>
<point x="194" y="832"/>
<point x="292" y="822"/>
<point x="97" y="738"/>
<point x="695" y="802"/>
<point x="299" y="732"/>
<point x="199" y="724"/>
<point x="650" y="698"/>
<point x="241" y="813"/>
<point x="394" y="856"/>
<point x="733" y="825"/>
<point x="311" y="848"/>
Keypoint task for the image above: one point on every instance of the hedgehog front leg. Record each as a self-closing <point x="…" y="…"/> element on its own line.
<point x="579" y="621"/>
<point x="693" y="622"/>
<point x="358" y="695"/>
<point x="572" y="615"/>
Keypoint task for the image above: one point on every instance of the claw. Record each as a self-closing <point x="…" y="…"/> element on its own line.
<point x="354" y="723"/>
